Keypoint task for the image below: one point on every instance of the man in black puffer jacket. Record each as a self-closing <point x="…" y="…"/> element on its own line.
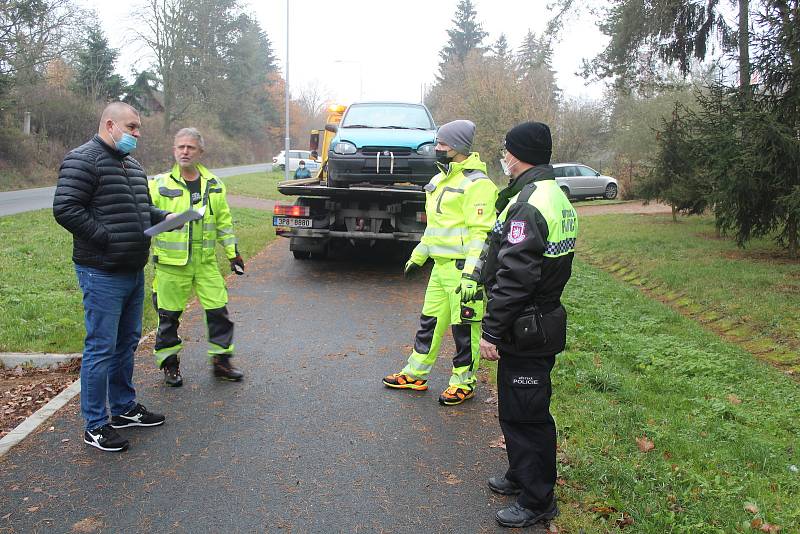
<point x="103" y="200"/>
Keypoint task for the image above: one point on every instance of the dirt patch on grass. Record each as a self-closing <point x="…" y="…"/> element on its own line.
<point x="781" y="257"/>
<point x="636" y="206"/>
<point x="786" y="288"/>
<point x="24" y="390"/>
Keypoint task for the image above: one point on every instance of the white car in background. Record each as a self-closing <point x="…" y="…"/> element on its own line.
<point x="279" y="161"/>
<point x="581" y="181"/>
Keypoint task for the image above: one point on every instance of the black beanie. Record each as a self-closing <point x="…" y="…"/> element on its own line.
<point x="530" y="142"/>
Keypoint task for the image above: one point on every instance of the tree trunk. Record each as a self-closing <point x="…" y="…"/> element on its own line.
<point x="792" y="237"/>
<point x="168" y="103"/>
<point x="674" y="214"/>
<point x="744" y="46"/>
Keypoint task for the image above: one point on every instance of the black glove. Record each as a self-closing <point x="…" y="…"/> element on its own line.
<point x="410" y="269"/>
<point x="237" y="265"/>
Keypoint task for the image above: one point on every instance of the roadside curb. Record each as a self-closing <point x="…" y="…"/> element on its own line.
<point x="36" y="359"/>
<point x="37" y="418"/>
<point x="32" y="422"/>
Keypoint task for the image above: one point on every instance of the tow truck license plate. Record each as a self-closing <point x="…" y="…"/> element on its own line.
<point x="291" y="222"/>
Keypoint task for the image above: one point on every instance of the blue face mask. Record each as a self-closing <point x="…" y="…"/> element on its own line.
<point x="127" y="142"/>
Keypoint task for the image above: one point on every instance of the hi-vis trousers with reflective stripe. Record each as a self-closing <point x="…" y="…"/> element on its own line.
<point x="435" y="318"/>
<point x="172" y="288"/>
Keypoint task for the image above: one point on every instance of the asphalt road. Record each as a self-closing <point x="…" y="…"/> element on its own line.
<point x="311" y="441"/>
<point x="42" y="197"/>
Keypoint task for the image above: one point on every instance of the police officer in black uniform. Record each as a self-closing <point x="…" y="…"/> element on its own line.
<point x="527" y="261"/>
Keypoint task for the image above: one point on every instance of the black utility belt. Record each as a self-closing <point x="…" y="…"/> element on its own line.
<point x="527" y="332"/>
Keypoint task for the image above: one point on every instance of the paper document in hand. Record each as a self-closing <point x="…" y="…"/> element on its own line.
<point x="175" y="222"/>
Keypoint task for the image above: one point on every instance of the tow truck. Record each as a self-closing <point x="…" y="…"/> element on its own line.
<point x="382" y="201"/>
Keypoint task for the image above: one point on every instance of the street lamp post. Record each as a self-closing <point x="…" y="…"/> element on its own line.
<point x="286" y="102"/>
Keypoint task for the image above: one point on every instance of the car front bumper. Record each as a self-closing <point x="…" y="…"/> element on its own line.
<point x="385" y="167"/>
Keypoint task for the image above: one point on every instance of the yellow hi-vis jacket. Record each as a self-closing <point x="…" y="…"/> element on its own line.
<point x="169" y="192"/>
<point x="459" y="204"/>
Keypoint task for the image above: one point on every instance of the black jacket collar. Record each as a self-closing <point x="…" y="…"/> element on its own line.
<point x="108" y="148"/>
<point x="534" y="174"/>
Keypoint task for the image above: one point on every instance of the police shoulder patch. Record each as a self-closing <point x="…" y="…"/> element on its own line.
<point x="517" y="232"/>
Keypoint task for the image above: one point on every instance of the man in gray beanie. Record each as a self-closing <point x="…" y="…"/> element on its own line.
<point x="525" y="265"/>
<point x="459" y="204"/>
<point x="457" y="135"/>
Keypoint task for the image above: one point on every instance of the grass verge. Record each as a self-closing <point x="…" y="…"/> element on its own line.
<point x="42" y="309"/>
<point x="663" y="427"/>
<point x="257" y="184"/>
<point x="750" y="296"/>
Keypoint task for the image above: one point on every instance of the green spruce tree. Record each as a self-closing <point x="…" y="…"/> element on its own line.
<point x="466" y="35"/>
<point x="94" y="68"/>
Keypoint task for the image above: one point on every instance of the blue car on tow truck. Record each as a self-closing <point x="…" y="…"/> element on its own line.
<point x="383" y="143"/>
<point x="376" y="158"/>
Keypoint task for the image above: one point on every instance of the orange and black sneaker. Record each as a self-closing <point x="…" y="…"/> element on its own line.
<point x="455" y="395"/>
<point x="401" y="381"/>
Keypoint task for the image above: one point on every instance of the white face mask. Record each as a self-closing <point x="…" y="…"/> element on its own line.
<point x="506" y="167"/>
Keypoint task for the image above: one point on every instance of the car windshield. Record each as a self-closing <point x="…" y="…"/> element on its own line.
<point x="400" y="116"/>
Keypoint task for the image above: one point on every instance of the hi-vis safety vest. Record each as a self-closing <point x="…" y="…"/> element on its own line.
<point x="169" y="192"/>
<point x="459" y="205"/>
<point x="553" y="204"/>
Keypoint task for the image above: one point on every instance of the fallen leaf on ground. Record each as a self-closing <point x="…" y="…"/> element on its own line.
<point x="90" y="524"/>
<point x="624" y="521"/>
<point x="733" y="399"/>
<point x="32" y="509"/>
<point x="771" y="529"/>
<point x="750" y="507"/>
<point x="552" y="529"/>
<point x="450" y="478"/>
<point x="645" y="444"/>
<point x="603" y="510"/>
<point x="499" y="443"/>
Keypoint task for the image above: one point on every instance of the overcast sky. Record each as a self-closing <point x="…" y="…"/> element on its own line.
<point x="374" y="50"/>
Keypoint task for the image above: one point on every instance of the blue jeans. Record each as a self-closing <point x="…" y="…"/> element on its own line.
<point x="112" y="308"/>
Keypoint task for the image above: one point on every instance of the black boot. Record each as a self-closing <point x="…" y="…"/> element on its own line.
<point x="224" y="369"/>
<point x="519" y="516"/>
<point x="172" y="372"/>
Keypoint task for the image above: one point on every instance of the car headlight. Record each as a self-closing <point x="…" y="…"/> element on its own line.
<point x="428" y="149"/>
<point x="343" y="147"/>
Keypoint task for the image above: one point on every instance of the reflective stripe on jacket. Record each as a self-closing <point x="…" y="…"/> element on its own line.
<point x="169" y="192"/>
<point x="459" y="205"/>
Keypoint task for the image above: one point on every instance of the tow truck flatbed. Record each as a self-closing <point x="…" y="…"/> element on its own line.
<point x="398" y="192"/>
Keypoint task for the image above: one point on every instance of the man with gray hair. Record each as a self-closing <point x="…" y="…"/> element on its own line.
<point x="459" y="204"/>
<point x="185" y="259"/>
